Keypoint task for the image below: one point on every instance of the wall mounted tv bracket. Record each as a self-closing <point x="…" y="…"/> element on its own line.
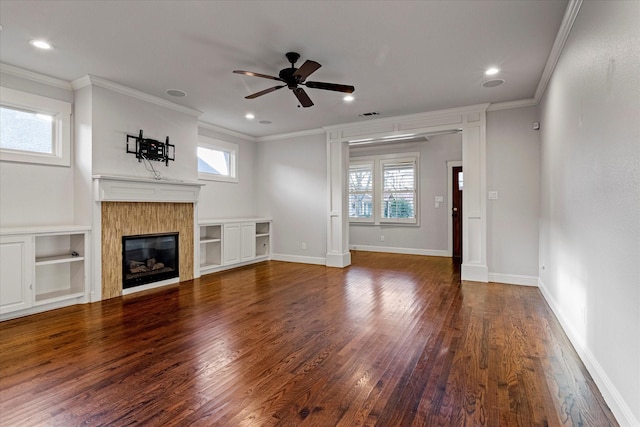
<point x="151" y="149"/>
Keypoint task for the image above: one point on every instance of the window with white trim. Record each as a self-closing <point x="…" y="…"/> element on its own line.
<point x="398" y="190"/>
<point x="361" y="192"/>
<point x="217" y="160"/>
<point x="384" y="189"/>
<point x="34" y="129"/>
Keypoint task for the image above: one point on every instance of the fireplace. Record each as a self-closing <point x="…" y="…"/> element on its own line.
<point x="149" y="258"/>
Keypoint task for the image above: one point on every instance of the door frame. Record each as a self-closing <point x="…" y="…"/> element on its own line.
<point x="450" y="165"/>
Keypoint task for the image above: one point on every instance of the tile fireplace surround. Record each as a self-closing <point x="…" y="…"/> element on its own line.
<point x="131" y="206"/>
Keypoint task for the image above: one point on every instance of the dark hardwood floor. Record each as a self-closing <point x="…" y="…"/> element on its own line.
<point x="393" y="340"/>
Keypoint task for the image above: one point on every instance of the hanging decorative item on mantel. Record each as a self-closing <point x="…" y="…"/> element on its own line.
<point x="150" y="149"/>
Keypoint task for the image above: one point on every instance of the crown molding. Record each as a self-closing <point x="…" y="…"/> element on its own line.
<point x="512" y="104"/>
<point x="291" y="135"/>
<point x="569" y="18"/>
<point x="225" y="131"/>
<point x="90" y="80"/>
<point x="35" y="77"/>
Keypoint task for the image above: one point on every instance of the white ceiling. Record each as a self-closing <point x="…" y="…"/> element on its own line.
<point x="402" y="57"/>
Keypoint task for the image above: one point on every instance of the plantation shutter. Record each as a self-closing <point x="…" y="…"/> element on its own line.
<point x="361" y="191"/>
<point x="398" y="191"/>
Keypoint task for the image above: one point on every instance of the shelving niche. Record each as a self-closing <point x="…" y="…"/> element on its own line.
<point x="59" y="267"/>
<point x="262" y="238"/>
<point x="210" y="246"/>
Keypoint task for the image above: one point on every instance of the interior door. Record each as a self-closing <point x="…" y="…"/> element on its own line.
<point x="456" y="211"/>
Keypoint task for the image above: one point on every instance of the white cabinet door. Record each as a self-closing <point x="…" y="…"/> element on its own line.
<point x="231" y="243"/>
<point x="16" y="264"/>
<point x="248" y="241"/>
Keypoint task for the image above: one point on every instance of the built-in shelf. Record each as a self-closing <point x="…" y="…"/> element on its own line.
<point x="58" y="259"/>
<point x="48" y="265"/>
<point x="225" y="243"/>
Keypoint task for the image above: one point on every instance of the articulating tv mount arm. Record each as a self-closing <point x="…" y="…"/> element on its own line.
<point x="150" y="149"/>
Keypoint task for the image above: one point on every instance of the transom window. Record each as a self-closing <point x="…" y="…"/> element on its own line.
<point x="217" y="160"/>
<point x="383" y="189"/>
<point x="34" y="129"/>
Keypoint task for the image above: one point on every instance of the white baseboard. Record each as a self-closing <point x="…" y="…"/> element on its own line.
<point x="406" y="251"/>
<point x="513" y="279"/>
<point x="474" y="272"/>
<point x="618" y="406"/>
<point x="299" y="259"/>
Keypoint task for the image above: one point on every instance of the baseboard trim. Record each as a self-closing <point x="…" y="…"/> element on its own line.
<point x="406" y="251"/>
<point x="474" y="272"/>
<point x="299" y="259"/>
<point x="513" y="279"/>
<point x="616" y="403"/>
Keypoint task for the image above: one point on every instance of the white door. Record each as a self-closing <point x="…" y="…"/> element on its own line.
<point x="248" y="241"/>
<point x="231" y="243"/>
<point x="15" y="273"/>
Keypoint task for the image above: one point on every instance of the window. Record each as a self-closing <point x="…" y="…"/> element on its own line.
<point x="361" y="191"/>
<point x="383" y="189"/>
<point x="398" y="191"/>
<point x="34" y="129"/>
<point x="217" y="160"/>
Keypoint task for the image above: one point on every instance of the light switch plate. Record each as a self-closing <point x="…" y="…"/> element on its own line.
<point x="493" y="195"/>
<point x="439" y="199"/>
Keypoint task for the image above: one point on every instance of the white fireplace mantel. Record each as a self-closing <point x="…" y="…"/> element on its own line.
<point x="108" y="188"/>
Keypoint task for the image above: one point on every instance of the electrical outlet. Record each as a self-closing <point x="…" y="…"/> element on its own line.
<point x="382" y="238"/>
<point x="304" y="246"/>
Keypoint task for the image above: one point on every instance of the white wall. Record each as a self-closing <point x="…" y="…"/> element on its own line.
<point x="114" y="115"/>
<point x="32" y="194"/>
<point x="513" y="170"/>
<point x="231" y="199"/>
<point x="291" y="188"/>
<point x="590" y="198"/>
<point x="431" y="236"/>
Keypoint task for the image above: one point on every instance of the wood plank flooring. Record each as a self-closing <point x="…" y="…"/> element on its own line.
<point x="393" y="340"/>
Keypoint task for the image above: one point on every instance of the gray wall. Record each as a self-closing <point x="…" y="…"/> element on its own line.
<point x="291" y="188"/>
<point x="220" y="199"/>
<point x="590" y="198"/>
<point x="430" y="237"/>
<point x="513" y="170"/>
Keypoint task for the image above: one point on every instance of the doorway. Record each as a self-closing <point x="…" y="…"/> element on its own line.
<point x="457" y="186"/>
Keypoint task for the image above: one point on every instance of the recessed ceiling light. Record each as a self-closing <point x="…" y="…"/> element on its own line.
<point x="176" y="92"/>
<point x="493" y="83"/>
<point x="249" y="116"/>
<point x="348" y="98"/>
<point x="40" y="44"/>
<point x="491" y="71"/>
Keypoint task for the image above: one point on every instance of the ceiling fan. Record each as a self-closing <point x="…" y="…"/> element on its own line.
<point x="293" y="77"/>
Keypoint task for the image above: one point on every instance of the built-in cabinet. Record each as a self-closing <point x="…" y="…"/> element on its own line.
<point x="228" y="243"/>
<point x="42" y="268"/>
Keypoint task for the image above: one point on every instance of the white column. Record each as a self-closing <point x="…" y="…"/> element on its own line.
<point x="474" y="226"/>
<point x="338" y="254"/>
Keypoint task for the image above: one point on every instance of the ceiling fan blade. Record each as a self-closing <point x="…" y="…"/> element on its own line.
<point x="302" y="96"/>
<point x="264" y="92"/>
<point x="330" y="86"/>
<point x="306" y="69"/>
<point x="251" y="73"/>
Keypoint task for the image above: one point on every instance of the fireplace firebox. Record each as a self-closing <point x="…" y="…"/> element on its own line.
<point x="149" y="258"/>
